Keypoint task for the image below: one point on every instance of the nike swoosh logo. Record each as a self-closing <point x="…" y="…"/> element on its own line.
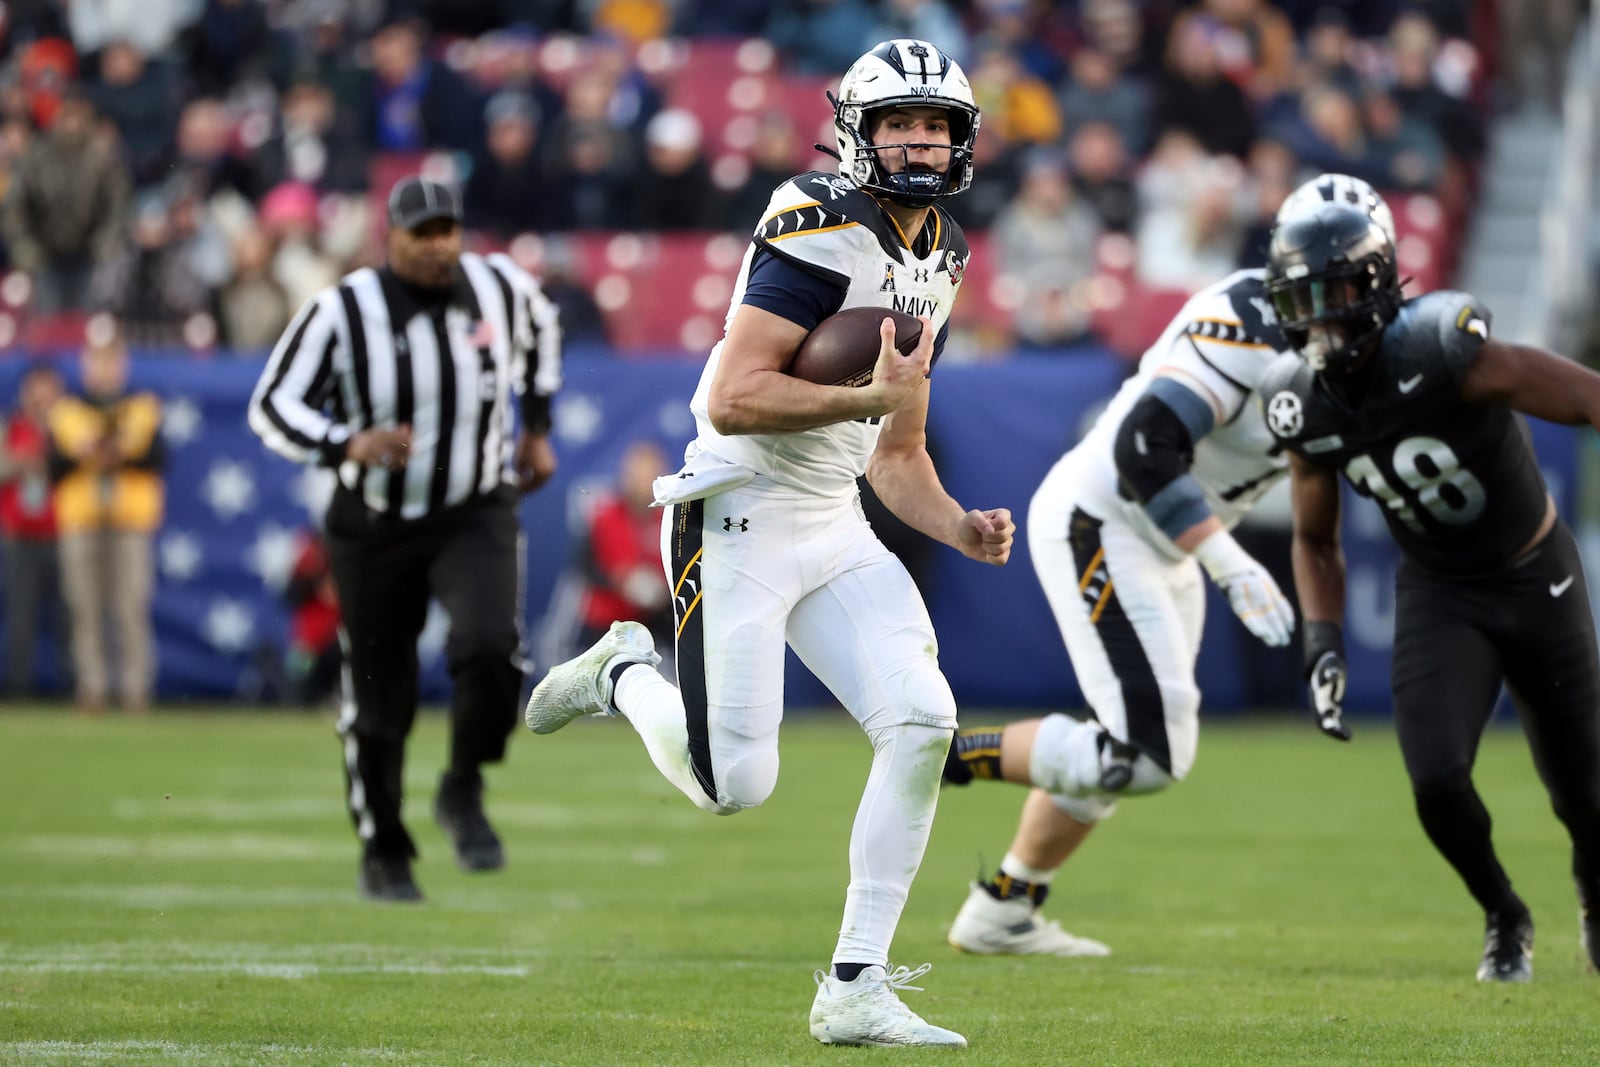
<point x="1410" y="383"/>
<point x="1557" y="588"/>
<point x="1004" y="936"/>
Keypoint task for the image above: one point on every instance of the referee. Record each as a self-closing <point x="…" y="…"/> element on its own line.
<point x="399" y="378"/>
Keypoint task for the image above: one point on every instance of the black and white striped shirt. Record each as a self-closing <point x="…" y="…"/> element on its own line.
<point x="368" y="353"/>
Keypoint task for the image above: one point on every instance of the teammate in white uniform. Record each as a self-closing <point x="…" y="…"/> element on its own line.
<point x="1119" y="532"/>
<point x="764" y="541"/>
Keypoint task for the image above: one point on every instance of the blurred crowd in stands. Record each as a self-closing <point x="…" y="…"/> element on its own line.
<point x="197" y="168"/>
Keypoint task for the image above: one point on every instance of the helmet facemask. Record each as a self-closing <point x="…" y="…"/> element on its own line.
<point x="1333" y="283"/>
<point x="904" y="74"/>
<point x="1332" y="316"/>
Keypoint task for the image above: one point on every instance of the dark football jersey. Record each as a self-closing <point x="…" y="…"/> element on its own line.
<point x="1458" y="483"/>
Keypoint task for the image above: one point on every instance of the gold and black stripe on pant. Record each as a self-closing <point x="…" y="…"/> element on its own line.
<point x="688" y="616"/>
<point x="1141" y="693"/>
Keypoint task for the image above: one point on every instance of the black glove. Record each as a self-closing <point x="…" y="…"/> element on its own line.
<point x="1326" y="686"/>
<point x="1326" y="677"/>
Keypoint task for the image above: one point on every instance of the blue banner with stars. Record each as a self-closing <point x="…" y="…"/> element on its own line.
<point x="235" y="512"/>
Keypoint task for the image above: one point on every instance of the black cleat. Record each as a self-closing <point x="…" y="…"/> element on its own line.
<point x="387" y="878"/>
<point x="1507" y="949"/>
<point x="1589" y="936"/>
<point x="459" y="811"/>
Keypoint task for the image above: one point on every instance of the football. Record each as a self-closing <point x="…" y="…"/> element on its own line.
<point x="843" y="349"/>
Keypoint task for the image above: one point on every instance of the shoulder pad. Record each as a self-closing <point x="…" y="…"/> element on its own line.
<point x="1228" y="328"/>
<point x="1257" y="320"/>
<point x="819" y="221"/>
<point x="1285" y="387"/>
<point x="1442" y="329"/>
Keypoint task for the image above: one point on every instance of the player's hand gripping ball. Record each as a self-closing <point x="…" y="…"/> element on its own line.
<point x="843" y="349"/>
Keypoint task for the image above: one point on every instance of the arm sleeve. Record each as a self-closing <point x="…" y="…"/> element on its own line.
<point x="785" y="289"/>
<point x="286" y="409"/>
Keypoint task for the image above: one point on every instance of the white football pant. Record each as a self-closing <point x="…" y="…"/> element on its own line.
<point x="1131" y="618"/>
<point x="755" y="568"/>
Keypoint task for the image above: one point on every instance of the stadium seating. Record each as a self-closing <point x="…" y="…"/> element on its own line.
<point x="665" y="291"/>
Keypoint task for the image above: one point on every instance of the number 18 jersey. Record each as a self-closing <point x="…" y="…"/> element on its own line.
<point x="1457" y="482"/>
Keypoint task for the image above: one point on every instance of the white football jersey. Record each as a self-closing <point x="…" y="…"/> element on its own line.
<point x="1217" y="346"/>
<point x="828" y="227"/>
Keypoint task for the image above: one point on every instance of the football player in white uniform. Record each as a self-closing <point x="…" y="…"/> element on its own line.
<point x="764" y="541"/>
<point x="1119" y="532"/>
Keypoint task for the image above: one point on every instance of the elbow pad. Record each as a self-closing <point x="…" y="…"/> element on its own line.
<point x="1153" y="452"/>
<point x="1153" y="449"/>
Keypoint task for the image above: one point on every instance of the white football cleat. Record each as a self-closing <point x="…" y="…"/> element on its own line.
<point x="867" y="1011"/>
<point x="1013" y="927"/>
<point x="582" y="685"/>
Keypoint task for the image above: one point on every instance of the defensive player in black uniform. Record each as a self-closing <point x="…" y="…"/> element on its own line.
<point x="1416" y="405"/>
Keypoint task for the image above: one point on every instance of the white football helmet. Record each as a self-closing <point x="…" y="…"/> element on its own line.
<point x="904" y="73"/>
<point x="1340" y="189"/>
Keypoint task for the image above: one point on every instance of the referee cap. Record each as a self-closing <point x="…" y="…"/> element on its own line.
<point x="415" y="200"/>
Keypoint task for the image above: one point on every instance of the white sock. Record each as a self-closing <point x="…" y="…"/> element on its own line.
<point x="889" y="837"/>
<point x="1014" y="867"/>
<point x="654" y="707"/>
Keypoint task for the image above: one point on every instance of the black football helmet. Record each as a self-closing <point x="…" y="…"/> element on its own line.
<point x="1333" y="282"/>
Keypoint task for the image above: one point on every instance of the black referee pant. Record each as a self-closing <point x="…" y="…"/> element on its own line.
<point x="386" y="571"/>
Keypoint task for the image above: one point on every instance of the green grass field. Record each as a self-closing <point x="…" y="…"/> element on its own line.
<point x="180" y="890"/>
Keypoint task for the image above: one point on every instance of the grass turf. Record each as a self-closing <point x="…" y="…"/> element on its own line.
<point x="180" y="889"/>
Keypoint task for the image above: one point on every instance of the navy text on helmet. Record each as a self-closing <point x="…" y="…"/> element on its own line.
<point x="1333" y="282"/>
<point x="904" y="73"/>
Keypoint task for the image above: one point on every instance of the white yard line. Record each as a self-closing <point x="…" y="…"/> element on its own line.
<point x="185" y="844"/>
<point x="230" y="809"/>
<point x="173" y="895"/>
<point x="183" y="1052"/>
<point x="167" y="896"/>
<point x="213" y="808"/>
<point x="182" y="843"/>
<point x="242" y="969"/>
<point x="260" y="961"/>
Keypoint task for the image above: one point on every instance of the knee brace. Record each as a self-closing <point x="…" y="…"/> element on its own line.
<point x="1147" y="776"/>
<point x="1078" y="760"/>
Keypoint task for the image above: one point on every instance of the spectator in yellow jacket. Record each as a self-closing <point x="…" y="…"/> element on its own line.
<point x="106" y="459"/>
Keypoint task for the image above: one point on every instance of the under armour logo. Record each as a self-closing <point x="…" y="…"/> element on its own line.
<point x="743" y="525"/>
<point x="919" y="274"/>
